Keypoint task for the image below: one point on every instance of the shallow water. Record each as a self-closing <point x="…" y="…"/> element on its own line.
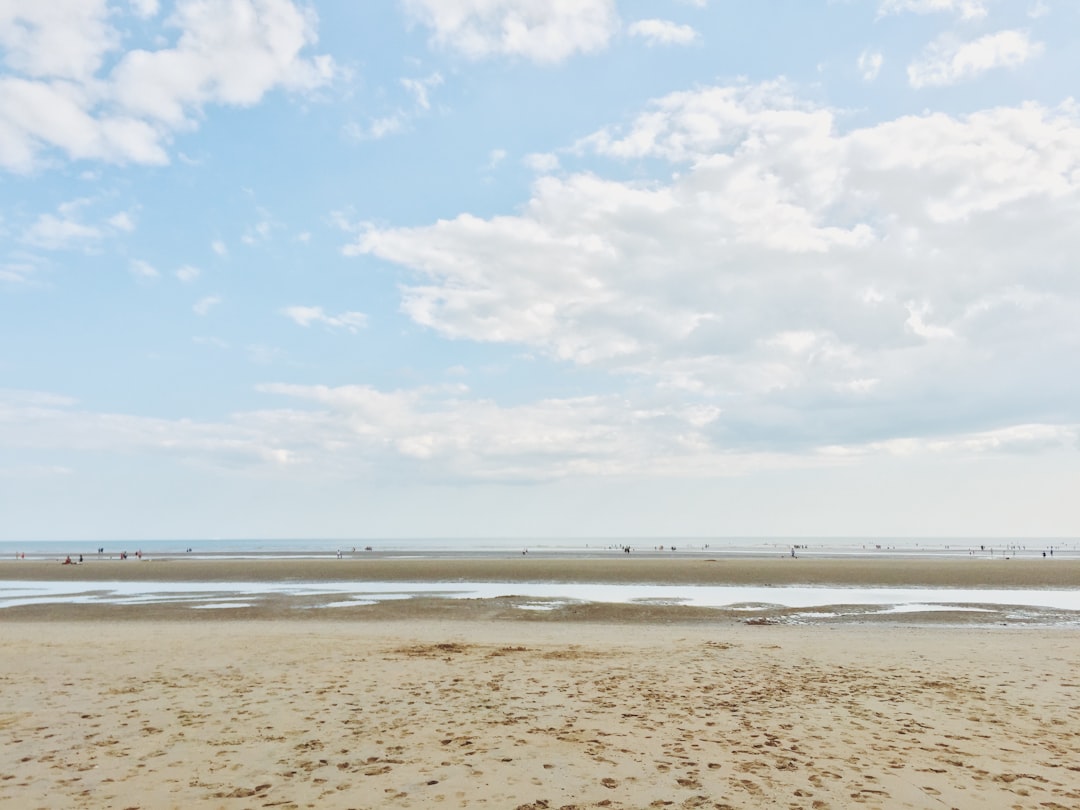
<point x="814" y="603"/>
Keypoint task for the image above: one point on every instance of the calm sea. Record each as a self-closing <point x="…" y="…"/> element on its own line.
<point x="500" y="546"/>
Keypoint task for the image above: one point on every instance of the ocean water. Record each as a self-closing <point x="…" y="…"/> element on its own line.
<point x="500" y="546"/>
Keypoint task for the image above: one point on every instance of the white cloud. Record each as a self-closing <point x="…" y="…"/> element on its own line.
<point x="219" y="248"/>
<point x="144" y="270"/>
<point x="419" y="88"/>
<point x="144" y="8"/>
<point x="538" y="30"/>
<point x="495" y="158"/>
<point x="947" y="61"/>
<point x="662" y="32"/>
<point x="306" y="316"/>
<point x="869" y="64"/>
<point x="73" y="90"/>
<point x="804" y="279"/>
<point x="400" y="119"/>
<point x="122" y="221"/>
<point x="259" y="233"/>
<point x="188" y="274"/>
<point x="966" y="9"/>
<point x="1038" y="9"/>
<point x="20" y="268"/>
<point x="62" y="39"/>
<point x="64" y="230"/>
<point x="205" y="304"/>
<point x="229" y="53"/>
<point x="50" y="423"/>
<point x="918" y="325"/>
<point x="378" y="128"/>
<point x="542" y="162"/>
<point x="439" y="434"/>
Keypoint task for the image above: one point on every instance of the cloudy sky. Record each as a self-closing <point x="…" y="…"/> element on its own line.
<point x="539" y="268"/>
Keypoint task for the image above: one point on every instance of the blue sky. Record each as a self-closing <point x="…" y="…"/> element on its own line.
<point x="523" y="268"/>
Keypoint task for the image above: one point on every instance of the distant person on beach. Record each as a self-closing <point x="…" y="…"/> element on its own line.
<point x="67" y="561"/>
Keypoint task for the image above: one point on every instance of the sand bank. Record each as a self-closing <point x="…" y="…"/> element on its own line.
<point x="506" y="715"/>
<point x="779" y="570"/>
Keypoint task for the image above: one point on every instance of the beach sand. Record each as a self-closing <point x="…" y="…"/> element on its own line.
<point x="965" y="572"/>
<point x="426" y="713"/>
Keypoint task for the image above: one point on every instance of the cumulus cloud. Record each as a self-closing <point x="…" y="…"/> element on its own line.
<point x="947" y="61"/>
<point x="537" y="30"/>
<point x="803" y="279"/>
<point x="65" y="39"/>
<point x="71" y="88"/>
<point x="306" y="316"/>
<point x="662" y="32"/>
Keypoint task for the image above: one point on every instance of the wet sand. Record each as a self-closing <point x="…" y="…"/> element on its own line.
<point x="963" y="572"/>
<point x="428" y="713"/>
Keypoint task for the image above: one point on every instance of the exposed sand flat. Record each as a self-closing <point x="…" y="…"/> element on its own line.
<point x="234" y="714"/>
<point x="779" y="570"/>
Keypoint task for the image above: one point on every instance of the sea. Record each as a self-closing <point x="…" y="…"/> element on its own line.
<point x="560" y="546"/>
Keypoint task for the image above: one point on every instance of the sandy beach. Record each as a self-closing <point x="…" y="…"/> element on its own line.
<point x="427" y="702"/>
<point x="234" y="714"/>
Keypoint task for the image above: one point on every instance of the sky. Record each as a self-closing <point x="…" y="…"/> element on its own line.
<point x="530" y="268"/>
